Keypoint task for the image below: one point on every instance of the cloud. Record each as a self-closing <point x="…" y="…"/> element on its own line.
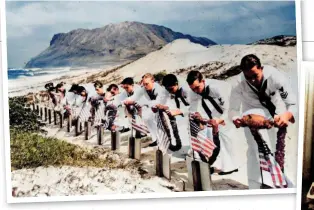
<point x="224" y="22"/>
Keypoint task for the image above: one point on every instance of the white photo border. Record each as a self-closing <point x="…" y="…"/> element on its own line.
<point x="6" y="138"/>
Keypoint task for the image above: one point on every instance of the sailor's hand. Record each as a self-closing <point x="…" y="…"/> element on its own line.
<point x="237" y="122"/>
<point x="174" y="112"/>
<point x="128" y="102"/>
<point x="283" y="120"/>
<point x="197" y="116"/>
<point x="216" y="121"/>
<point x="106" y="99"/>
<point x="154" y="109"/>
<point x="161" y="107"/>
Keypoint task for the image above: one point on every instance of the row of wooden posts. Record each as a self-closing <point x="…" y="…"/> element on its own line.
<point x="199" y="171"/>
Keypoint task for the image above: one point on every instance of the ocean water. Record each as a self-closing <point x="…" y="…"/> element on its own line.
<point x="16" y="73"/>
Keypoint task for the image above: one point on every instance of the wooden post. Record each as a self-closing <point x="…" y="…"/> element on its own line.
<point x="205" y="176"/>
<point x="49" y="116"/>
<point x="166" y="166"/>
<point x="131" y="147"/>
<point x="46" y="114"/>
<point x="77" y="127"/>
<point x="88" y="127"/>
<point x="55" y="117"/>
<point x="196" y="173"/>
<point x="37" y="109"/>
<point x="137" y="149"/>
<point x="61" y="119"/>
<point x="69" y="124"/>
<point x="41" y="113"/>
<point x="159" y="158"/>
<point x="115" y="140"/>
<point x="100" y="135"/>
<point x="34" y="107"/>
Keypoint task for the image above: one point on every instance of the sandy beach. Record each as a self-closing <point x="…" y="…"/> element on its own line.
<point x="180" y="54"/>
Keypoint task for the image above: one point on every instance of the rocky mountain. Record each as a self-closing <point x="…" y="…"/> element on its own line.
<point x="113" y="42"/>
<point x="280" y="40"/>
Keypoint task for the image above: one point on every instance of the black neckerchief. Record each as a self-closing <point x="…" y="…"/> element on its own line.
<point x="205" y="95"/>
<point x="151" y="94"/>
<point x="130" y="94"/>
<point x="179" y="94"/>
<point x="264" y="99"/>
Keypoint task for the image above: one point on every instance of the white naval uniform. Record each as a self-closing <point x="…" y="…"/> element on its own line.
<point x="84" y="104"/>
<point x="220" y="92"/>
<point x="281" y="96"/>
<point x="119" y="101"/>
<point x="148" y="115"/>
<point x="182" y="121"/>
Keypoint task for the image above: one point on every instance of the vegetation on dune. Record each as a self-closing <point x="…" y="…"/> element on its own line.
<point x="21" y="117"/>
<point x="160" y="75"/>
<point x="30" y="148"/>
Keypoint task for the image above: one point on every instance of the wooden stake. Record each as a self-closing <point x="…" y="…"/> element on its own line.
<point x="77" y="127"/>
<point x="131" y="147"/>
<point x="166" y="166"/>
<point x="69" y="125"/>
<point x="46" y="114"/>
<point x="55" y="117"/>
<point x="196" y="173"/>
<point x="159" y="157"/>
<point x="41" y="113"/>
<point x="88" y="127"/>
<point x="115" y="140"/>
<point x="137" y="149"/>
<point x="49" y="116"/>
<point x="61" y="119"/>
<point x="100" y="135"/>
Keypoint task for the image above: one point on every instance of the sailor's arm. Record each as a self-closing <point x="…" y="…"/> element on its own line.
<point x="289" y="98"/>
<point x="235" y="102"/>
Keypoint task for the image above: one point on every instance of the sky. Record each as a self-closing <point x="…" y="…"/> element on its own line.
<point x="31" y="25"/>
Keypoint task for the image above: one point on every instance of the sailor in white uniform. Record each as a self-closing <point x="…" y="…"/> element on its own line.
<point x="266" y="89"/>
<point x="175" y="102"/>
<point x="129" y="88"/>
<point x="152" y="92"/>
<point x="210" y="98"/>
<point x="83" y="102"/>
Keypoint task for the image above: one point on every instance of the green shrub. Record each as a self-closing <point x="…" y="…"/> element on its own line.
<point x="22" y="117"/>
<point x="30" y="150"/>
<point x="160" y="75"/>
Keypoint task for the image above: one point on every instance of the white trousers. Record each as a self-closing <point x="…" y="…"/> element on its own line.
<point x="149" y="118"/>
<point x="227" y="158"/>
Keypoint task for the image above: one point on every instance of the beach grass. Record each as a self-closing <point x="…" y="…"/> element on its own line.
<point x="30" y="150"/>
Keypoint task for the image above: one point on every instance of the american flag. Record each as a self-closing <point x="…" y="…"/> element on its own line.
<point x="139" y="127"/>
<point x="199" y="142"/>
<point x="99" y="113"/>
<point x="163" y="140"/>
<point x="84" y="113"/>
<point x="269" y="165"/>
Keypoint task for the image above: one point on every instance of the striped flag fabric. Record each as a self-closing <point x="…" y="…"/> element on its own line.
<point x="163" y="139"/>
<point x="84" y="113"/>
<point x="269" y="165"/>
<point x="271" y="172"/>
<point x="100" y="113"/>
<point x="199" y="142"/>
<point x="139" y="127"/>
